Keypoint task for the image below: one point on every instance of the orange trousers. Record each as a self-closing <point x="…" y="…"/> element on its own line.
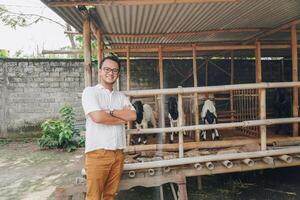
<point x="103" y="170"/>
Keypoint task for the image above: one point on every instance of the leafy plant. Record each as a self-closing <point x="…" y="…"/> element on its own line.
<point x="61" y="133"/>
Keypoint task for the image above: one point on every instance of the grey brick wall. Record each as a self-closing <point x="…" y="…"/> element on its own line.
<point x="35" y="90"/>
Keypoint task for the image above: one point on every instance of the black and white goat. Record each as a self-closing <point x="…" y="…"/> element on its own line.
<point x="173" y="116"/>
<point x="144" y="114"/>
<point x="209" y="116"/>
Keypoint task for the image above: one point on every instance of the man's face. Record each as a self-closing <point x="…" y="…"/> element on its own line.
<point x="109" y="71"/>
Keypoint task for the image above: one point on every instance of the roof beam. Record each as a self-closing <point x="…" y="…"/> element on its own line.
<point x="158" y="35"/>
<point x="57" y="3"/>
<point x="199" y="48"/>
<point x="274" y="30"/>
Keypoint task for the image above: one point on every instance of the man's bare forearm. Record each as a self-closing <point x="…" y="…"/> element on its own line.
<point x="125" y="114"/>
<point x="102" y="117"/>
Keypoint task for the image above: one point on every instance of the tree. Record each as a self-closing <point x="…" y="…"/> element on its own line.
<point x="4" y="53"/>
<point x="18" y="19"/>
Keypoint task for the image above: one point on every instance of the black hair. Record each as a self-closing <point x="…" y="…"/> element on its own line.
<point x="113" y="58"/>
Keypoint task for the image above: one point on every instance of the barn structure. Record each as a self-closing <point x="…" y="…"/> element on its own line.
<point x="198" y="29"/>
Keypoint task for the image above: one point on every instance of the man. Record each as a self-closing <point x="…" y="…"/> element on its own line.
<point x="106" y="113"/>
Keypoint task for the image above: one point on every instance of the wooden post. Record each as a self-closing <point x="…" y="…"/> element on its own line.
<point x="129" y="125"/>
<point x="258" y="62"/>
<point x="162" y="97"/>
<point x="231" y="83"/>
<point x="196" y="105"/>
<point x="87" y="50"/>
<point x="128" y="68"/>
<point x="180" y="123"/>
<point x="295" y="77"/>
<point x="262" y="96"/>
<point x="206" y="72"/>
<point x="262" y="113"/>
<point x="100" y="51"/>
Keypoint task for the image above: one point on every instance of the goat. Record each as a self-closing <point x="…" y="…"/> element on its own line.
<point x="144" y="114"/>
<point x="173" y="116"/>
<point x="209" y="116"/>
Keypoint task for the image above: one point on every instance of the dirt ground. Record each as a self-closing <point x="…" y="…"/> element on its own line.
<point x="26" y="172"/>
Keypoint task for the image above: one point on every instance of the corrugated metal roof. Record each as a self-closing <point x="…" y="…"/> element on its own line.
<point x="188" y="17"/>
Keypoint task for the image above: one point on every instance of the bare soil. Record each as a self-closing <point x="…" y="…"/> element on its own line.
<point x="27" y="172"/>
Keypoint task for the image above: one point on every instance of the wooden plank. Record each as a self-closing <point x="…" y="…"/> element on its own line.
<point x="87" y="51"/>
<point x="57" y="3"/>
<point x="295" y="78"/>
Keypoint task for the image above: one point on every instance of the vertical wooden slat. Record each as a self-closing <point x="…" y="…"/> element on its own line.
<point x="206" y="72"/>
<point x="87" y="50"/>
<point x="295" y="77"/>
<point x="128" y="68"/>
<point x="196" y="105"/>
<point x="162" y="97"/>
<point x="231" y="82"/>
<point x="180" y="123"/>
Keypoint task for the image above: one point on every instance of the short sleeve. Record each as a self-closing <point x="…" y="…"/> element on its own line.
<point x="126" y="102"/>
<point x="90" y="102"/>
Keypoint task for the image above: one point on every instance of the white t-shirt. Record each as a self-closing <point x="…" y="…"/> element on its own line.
<point x="101" y="136"/>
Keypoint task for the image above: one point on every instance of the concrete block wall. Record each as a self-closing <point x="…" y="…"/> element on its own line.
<point x="34" y="90"/>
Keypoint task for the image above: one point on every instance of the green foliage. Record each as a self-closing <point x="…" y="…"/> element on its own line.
<point x="61" y="133"/>
<point x="4" y="53"/>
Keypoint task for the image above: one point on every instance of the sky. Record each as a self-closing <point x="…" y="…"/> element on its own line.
<point x="43" y="35"/>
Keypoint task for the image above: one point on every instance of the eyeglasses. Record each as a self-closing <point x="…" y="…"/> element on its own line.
<point x="108" y="70"/>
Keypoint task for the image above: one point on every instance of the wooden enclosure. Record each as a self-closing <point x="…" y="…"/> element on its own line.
<point x="247" y="142"/>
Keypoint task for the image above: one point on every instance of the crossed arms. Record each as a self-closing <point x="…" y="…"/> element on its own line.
<point x="119" y="116"/>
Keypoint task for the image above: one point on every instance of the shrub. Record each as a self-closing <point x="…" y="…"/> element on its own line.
<point x="61" y="133"/>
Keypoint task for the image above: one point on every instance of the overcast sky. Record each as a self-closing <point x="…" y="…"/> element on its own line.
<point x="45" y="34"/>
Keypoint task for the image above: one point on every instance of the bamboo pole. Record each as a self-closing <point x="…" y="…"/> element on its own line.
<point x="128" y="68"/>
<point x="210" y="144"/>
<point x="216" y="126"/>
<point x="295" y="77"/>
<point x="100" y="51"/>
<point x="210" y="89"/>
<point x="162" y="97"/>
<point x="196" y="105"/>
<point x="180" y="123"/>
<point x="87" y="50"/>
<point x="262" y="113"/>
<point x="210" y="158"/>
<point x="258" y="62"/>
